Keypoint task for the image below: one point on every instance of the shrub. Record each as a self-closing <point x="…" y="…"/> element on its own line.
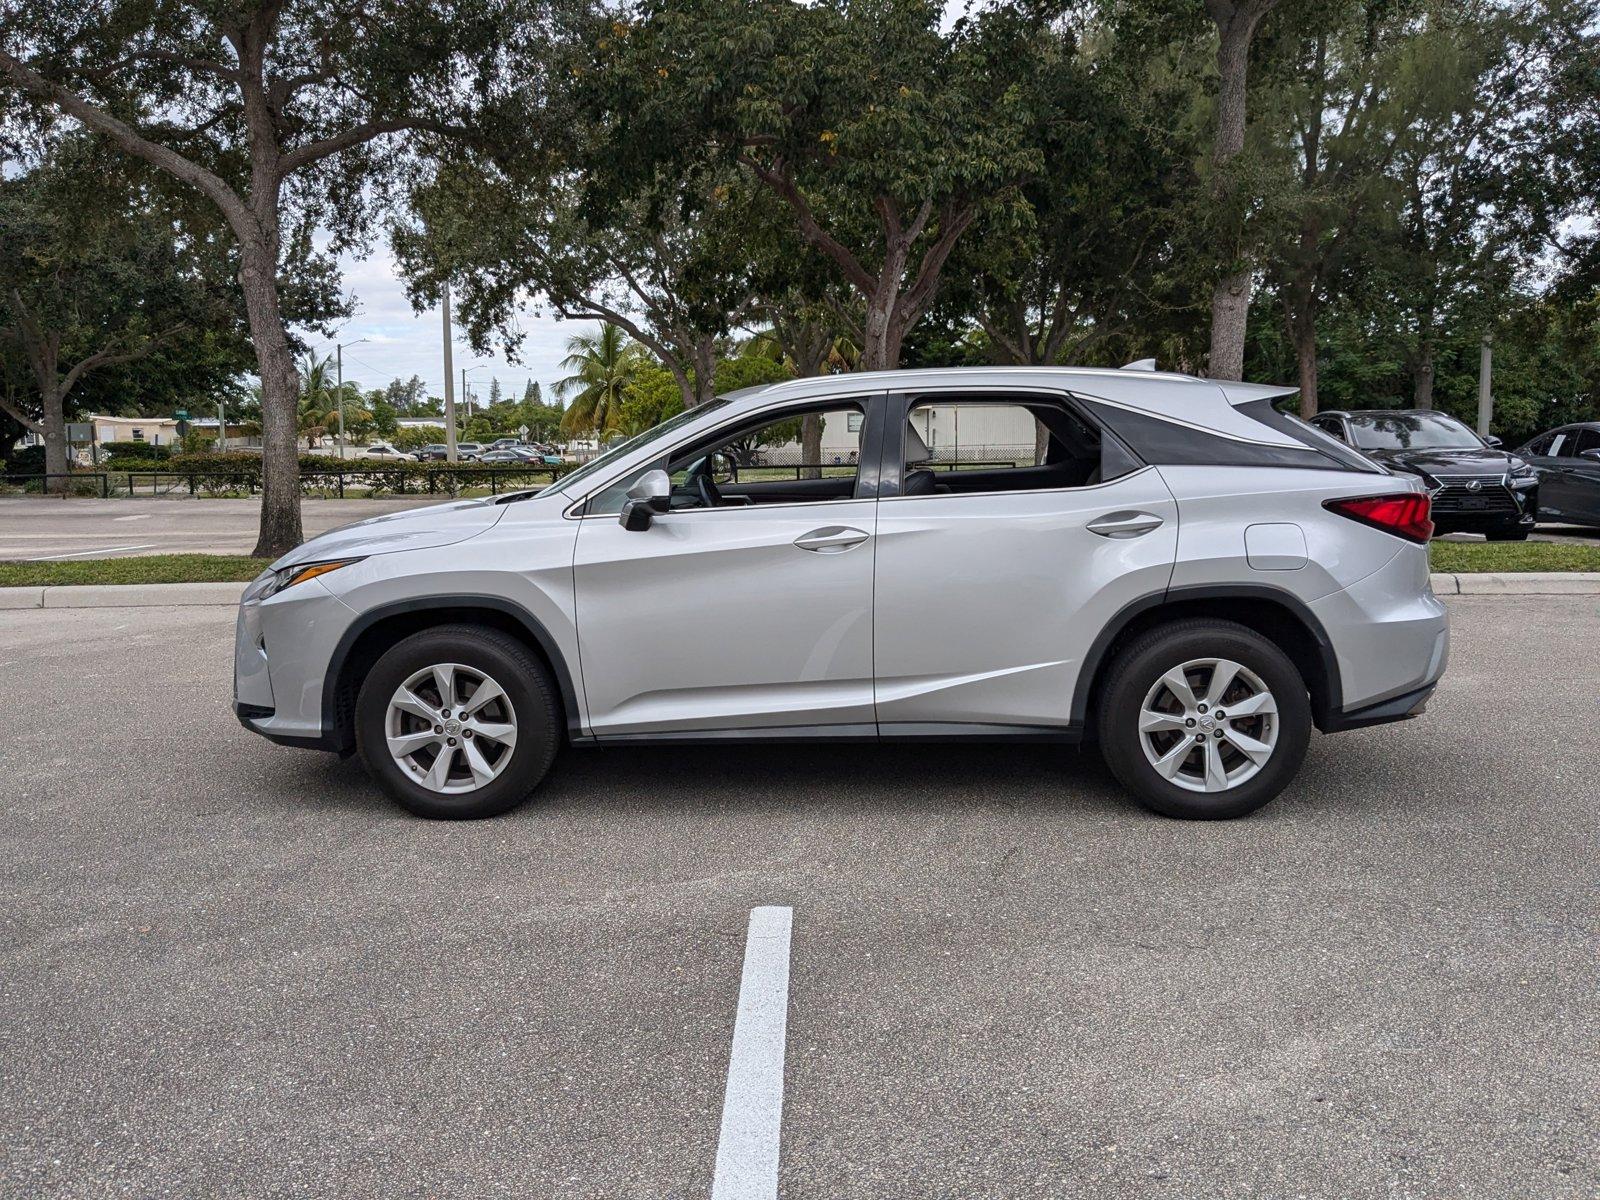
<point x="136" y="450"/>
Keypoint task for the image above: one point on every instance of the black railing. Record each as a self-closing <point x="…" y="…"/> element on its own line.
<point x="431" y="481"/>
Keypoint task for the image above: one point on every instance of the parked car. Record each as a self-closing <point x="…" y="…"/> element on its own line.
<point x="1568" y="463"/>
<point x="439" y="452"/>
<point x="386" y="450"/>
<point x="505" y="443"/>
<point x="1476" y="486"/>
<point x="510" y="454"/>
<point x="1051" y="601"/>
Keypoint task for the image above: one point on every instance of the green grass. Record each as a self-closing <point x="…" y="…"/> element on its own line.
<point x="155" y="568"/>
<point x="1460" y="558"/>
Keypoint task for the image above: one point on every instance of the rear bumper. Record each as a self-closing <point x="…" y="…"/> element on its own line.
<point x="1400" y="708"/>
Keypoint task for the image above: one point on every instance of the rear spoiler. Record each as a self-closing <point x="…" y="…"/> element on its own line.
<point x="1244" y="393"/>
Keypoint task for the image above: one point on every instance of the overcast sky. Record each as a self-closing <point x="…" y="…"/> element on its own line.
<point x="399" y="343"/>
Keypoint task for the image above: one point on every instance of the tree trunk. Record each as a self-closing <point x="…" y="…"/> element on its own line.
<point x="811" y="446"/>
<point x="53" y="429"/>
<point x="1422" y="377"/>
<point x="1230" y="299"/>
<point x="281" y="530"/>
<point x="705" y="369"/>
<point x="1305" y="356"/>
<point x="1230" y="312"/>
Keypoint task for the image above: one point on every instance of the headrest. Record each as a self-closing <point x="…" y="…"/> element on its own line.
<point x="916" y="449"/>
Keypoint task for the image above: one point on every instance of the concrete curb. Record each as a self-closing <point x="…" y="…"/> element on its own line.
<point x="1518" y="583"/>
<point x="124" y="595"/>
<point x="159" y="595"/>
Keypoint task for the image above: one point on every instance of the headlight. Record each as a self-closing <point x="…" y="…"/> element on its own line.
<point x="1522" y="475"/>
<point x="272" y="582"/>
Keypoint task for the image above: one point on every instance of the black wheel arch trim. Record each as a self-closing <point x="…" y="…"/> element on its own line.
<point x="1325" y="709"/>
<point x="334" y="737"/>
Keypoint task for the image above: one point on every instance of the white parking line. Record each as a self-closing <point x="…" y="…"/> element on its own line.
<point x="752" y="1106"/>
<point x="86" y="553"/>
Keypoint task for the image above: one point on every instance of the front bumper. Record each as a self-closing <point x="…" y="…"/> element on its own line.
<point x="282" y="648"/>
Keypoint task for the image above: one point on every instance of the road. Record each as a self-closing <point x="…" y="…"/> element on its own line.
<point x="34" y="527"/>
<point x="232" y="969"/>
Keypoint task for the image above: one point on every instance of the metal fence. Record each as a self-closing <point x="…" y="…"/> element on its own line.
<point x="400" y="482"/>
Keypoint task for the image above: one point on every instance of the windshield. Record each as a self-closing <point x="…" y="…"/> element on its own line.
<point x="600" y="462"/>
<point x="1411" y="431"/>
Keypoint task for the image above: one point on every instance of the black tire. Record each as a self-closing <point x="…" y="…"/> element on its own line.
<point x="1520" y="535"/>
<point x="529" y="689"/>
<point x="1144" y="660"/>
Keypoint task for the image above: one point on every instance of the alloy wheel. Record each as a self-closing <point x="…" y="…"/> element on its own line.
<point x="451" y="728"/>
<point x="1208" y="725"/>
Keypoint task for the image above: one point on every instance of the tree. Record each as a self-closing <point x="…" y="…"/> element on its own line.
<point x="1236" y="22"/>
<point x="600" y="366"/>
<point x="661" y="259"/>
<point x="494" y="391"/>
<point x="881" y="135"/>
<point x="94" y="282"/>
<point x="284" y="115"/>
<point x="532" y="393"/>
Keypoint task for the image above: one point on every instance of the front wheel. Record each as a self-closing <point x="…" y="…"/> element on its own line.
<point x="458" y="722"/>
<point x="1204" y="719"/>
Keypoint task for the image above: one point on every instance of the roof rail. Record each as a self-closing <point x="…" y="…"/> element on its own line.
<point x="1141" y="364"/>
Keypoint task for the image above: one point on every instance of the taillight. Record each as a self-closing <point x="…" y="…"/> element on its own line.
<point x="1405" y="515"/>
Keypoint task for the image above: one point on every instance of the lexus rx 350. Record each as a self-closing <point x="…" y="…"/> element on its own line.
<point x="1165" y="564"/>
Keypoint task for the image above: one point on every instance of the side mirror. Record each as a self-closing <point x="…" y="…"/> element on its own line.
<point x="1591" y="455"/>
<point x="650" y="495"/>
<point x="1489" y="439"/>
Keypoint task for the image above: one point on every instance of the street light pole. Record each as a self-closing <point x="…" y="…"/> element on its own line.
<point x="338" y="354"/>
<point x="222" y="426"/>
<point x="449" y="385"/>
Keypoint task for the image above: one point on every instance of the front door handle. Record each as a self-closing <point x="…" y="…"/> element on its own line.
<point x="1125" y="524"/>
<point x="831" y="539"/>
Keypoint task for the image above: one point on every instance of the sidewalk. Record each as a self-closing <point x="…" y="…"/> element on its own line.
<point x="155" y="595"/>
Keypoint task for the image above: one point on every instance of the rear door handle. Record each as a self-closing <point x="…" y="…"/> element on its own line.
<point x="1125" y="524"/>
<point x="831" y="539"/>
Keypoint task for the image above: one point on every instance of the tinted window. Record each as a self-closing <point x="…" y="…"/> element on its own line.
<point x="817" y="449"/>
<point x="1163" y="443"/>
<point x="1317" y="437"/>
<point x="644" y="439"/>
<point x="1411" y="431"/>
<point x="1588" y="439"/>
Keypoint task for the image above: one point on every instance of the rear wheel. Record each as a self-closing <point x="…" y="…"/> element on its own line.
<point x="1204" y="719"/>
<point x="458" y="722"/>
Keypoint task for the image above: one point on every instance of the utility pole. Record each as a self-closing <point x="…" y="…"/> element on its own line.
<point x="1485" y="387"/>
<point x="449" y="385"/>
<point x="222" y="426"/>
<point x="338" y="355"/>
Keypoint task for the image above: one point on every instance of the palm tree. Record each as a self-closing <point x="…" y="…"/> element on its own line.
<point x="601" y="366"/>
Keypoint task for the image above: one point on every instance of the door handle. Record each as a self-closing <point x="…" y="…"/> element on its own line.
<point x="1125" y="524"/>
<point x="830" y="539"/>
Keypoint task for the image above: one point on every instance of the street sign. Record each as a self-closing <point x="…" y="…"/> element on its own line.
<point x="182" y="414"/>
<point x="80" y="431"/>
<point x="522" y="432"/>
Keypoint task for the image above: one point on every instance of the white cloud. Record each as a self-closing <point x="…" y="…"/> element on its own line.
<point x="399" y="343"/>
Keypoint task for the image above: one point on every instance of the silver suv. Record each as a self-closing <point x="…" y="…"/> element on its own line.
<point x="1166" y="564"/>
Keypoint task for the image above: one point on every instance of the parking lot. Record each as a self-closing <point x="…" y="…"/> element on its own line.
<point x="232" y="969"/>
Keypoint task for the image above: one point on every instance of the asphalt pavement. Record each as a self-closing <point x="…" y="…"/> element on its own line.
<point x="232" y="969"/>
<point x="48" y="528"/>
